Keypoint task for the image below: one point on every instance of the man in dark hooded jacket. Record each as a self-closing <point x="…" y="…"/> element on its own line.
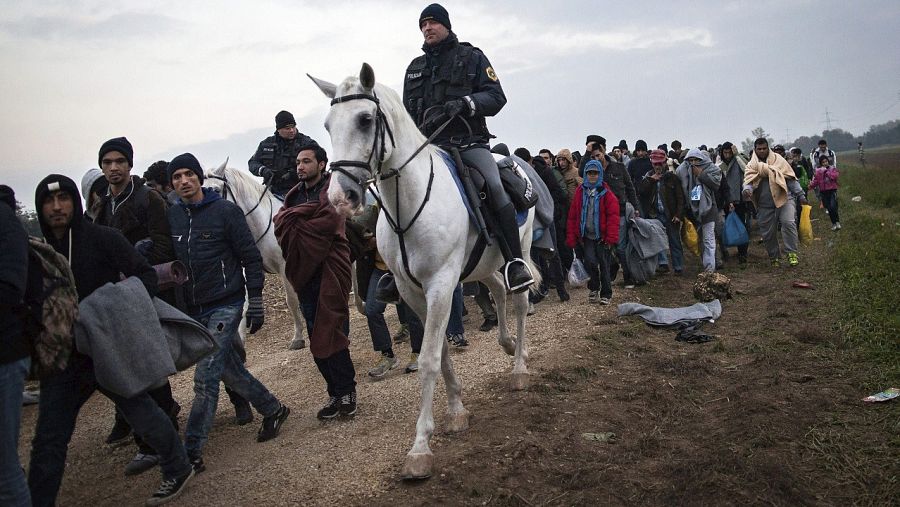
<point x="97" y="255"/>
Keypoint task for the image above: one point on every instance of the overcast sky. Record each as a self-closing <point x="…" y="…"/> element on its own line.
<point x="209" y="76"/>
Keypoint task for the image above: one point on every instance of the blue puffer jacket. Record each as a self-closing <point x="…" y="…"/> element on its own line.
<point x="213" y="240"/>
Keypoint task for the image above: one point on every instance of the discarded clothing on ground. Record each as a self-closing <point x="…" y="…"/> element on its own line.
<point x="667" y="317"/>
<point x="691" y="333"/>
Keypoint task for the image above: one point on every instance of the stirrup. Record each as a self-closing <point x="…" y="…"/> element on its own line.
<point x="386" y="290"/>
<point x="519" y="287"/>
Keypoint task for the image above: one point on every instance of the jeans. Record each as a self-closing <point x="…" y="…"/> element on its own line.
<point x="62" y="395"/>
<point x="829" y="200"/>
<point x="769" y="218"/>
<point x="673" y="233"/>
<point x="483" y="300"/>
<point x="707" y="233"/>
<point x="455" y="324"/>
<point x="620" y="248"/>
<point x="412" y="321"/>
<point x="381" y="335"/>
<point x="222" y="365"/>
<point x="597" y="260"/>
<point x="13" y="486"/>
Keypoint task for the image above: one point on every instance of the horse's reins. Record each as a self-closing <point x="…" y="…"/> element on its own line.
<point x="383" y="131"/>
<point x="224" y="181"/>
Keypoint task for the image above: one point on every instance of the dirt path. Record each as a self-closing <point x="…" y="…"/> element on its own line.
<point x="767" y="414"/>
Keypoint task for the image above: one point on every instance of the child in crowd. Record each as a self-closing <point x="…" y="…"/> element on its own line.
<point x="593" y="224"/>
<point x="825" y="181"/>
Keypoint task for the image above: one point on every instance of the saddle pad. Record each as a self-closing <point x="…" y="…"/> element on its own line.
<point x="521" y="216"/>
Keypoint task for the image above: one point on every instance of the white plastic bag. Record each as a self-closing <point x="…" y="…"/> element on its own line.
<point x="578" y="276"/>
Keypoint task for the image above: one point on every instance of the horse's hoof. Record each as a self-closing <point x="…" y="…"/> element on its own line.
<point x="457" y="422"/>
<point x="297" y="344"/>
<point x="509" y="347"/>
<point x="518" y="381"/>
<point x="417" y="467"/>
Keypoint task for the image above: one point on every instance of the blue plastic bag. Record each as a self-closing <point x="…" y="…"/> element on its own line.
<point x="734" y="234"/>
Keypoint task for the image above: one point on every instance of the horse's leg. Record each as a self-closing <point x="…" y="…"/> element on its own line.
<point x="519" y="375"/>
<point x="498" y="290"/>
<point x="457" y="415"/>
<point x="419" y="459"/>
<point x="293" y="304"/>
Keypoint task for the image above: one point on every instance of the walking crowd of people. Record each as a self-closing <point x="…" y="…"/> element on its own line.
<point x="117" y="226"/>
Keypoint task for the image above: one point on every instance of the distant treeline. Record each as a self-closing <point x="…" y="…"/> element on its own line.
<point x="841" y="140"/>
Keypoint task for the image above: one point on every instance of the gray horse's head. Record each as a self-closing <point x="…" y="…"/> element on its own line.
<point x="356" y="124"/>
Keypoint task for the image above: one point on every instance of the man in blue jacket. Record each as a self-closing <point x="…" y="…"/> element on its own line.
<point x="212" y="238"/>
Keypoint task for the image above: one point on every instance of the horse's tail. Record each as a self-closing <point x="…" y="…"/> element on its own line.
<point x="536" y="274"/>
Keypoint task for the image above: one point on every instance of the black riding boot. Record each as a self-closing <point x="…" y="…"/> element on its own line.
<point x="516" y="273"/>
<point x="386" y="290"/>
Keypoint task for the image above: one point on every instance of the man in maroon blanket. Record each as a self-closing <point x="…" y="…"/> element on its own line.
<point x="317" y="262"/>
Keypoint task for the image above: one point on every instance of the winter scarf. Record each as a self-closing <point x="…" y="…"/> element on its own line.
<point x="590" y="197"/>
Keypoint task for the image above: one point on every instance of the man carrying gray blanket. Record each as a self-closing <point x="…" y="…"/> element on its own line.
<point x="97" y="256"/>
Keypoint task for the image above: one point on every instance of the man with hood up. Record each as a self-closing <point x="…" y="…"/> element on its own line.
<point x="771" y="183"/>
<point x="700" y="180"/>
<point x="97" y="255"/>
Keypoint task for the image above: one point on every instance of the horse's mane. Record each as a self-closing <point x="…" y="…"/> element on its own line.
<point x="243" y="184"/>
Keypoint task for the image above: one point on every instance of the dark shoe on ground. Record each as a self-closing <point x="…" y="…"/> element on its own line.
<point x="243" y="414"/>
<point x="592" y="296"/>
<point x="386" y="290"/>
<point x="662" y="269"/>
<point x="347" y="406"/>
<point x="271" y="425"/>
<point x="563" y="294"/>
<point x="678" y="272"/>
<point x="604" y="301"/>
<point x="120" y="432"/>
<point x="457" y="340"/>
<point x="170" y="489"/>
<point x="140" y="463"/>
<point x="30" y="398"/>
<point x="402" y="334"/>
<point x="413" y="364"/>
<point x="488" y="324"/>
<point x="385" y="364"/>
<point x="742" y="259"/>
<point x="196" y="462"/>
<point x="330" y="410"/>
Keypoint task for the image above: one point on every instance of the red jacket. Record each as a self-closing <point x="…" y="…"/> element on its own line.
<point x="609" y="218"/>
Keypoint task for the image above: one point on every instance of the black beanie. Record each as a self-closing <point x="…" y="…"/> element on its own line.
<point x="596" y="139"/>
<point x="119" y="144"/>
<point x="185" y="161"/>
<point x="640" y="145"/>
<point x="501" y="149"/>
<point x="8" y="195"/>
<point x="437" y="13"/>
<point x="283" y="119"/>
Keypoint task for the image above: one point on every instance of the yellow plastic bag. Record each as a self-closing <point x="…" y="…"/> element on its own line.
<point x="689" y="239"/>
<point x="805" y="230"/>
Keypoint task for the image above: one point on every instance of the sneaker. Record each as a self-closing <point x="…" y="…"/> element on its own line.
<point x="457" y="340"/>
<point x="834" y="227"/>
<point x="838" y="224"/>
<point x="592" y="296"/>
<point x="776" y="263"/>
<point x="531" y="311"/>
<point x="563" y="294"/>
<point x="678" y="272"/>
<point x="662" y="269"/>
<point x="196" y="461"/>
<point x="488" y="324"/>
<point x="169" y="489"/>
<point x="30" y="398"/>
<point x="330" y="410"/>
<point x="629" y="284"/>
<point x="121" y="430"/>
<point x="402" y="335"/>
<point x="347" y="406"/>
<point x="413" y="364"/>
<point x="271" y="425"/>
<point x="140" y="463"/>
<point x="385" y="365"/>
<point x="243" y="414"/>
<point x="604" y="301"/>
<point x="793" y="260"/>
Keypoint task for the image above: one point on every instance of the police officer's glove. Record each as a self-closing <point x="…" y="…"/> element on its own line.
<point x="266" y="174"/>
<point x="255" y="314"/>
<point x="458" y="107"/>
<point x="433" y="121"/>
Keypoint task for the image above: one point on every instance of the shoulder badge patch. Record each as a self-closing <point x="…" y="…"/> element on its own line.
<point x="491" y="74"/>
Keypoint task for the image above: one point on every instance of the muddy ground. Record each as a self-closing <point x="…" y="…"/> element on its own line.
<point x="768" y="413"/>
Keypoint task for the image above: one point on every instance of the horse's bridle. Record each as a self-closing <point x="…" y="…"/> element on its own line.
<point x="225" y="189"/>
<point x="382" y="132"/>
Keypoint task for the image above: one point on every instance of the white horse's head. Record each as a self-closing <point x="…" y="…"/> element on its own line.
<point x="360" y="122"/>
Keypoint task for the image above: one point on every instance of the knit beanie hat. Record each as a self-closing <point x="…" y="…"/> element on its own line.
<point x="284" y="119"/>
<point x="91" y="178"/>
<point x="500" y="149"/>
<point x="623" y="145"/>
<point x="119" y="144"/>
<point x="435" y="12"/>
<point x="185" y="161"/>
<point x="658" y="157"/>
<point x="640" y="145"/>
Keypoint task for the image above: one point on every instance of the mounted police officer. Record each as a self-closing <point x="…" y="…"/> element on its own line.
<point x="455" y="80"/>
<point x="275" y="160"/>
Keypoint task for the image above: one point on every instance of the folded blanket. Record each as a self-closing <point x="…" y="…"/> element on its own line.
<point x="776" y="170"/>
<point x="665" y="317"/>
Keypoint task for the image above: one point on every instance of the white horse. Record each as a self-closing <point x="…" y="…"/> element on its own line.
<point x="373" y="138"/>
<point x="259" y="206"/>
